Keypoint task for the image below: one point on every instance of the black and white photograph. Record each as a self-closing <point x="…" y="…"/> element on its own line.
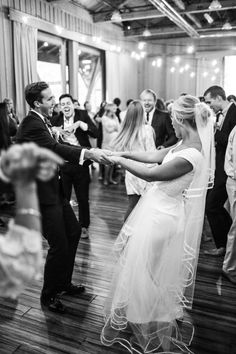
<point x="118" y="177"/>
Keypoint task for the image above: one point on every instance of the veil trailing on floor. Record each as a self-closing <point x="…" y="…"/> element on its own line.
<point x="154" y="277"/>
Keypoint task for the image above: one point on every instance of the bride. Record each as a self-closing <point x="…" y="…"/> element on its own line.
<point x="157" y="248"/>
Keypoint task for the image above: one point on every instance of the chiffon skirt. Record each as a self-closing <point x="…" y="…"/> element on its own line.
<point x="146" y="301"/>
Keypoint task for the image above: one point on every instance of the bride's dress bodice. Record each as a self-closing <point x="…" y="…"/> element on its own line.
<point x="175" y="187"/>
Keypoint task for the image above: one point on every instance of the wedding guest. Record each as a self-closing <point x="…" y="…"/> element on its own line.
<point x="232" y="98"/>
<point x="11" y="110"/>
<point x="117" y="102"/>
<point x="123" y="113"/>
<point x="229" y="265"/>
<point x="77" y="127"/>
<point x="8" y="129"/>
<point x="110" y="128"/>
<point x="159" y="120"/>
<point x="218" y="217"/>
<point x="134" y="135"/>
<point x="88" y="108"/>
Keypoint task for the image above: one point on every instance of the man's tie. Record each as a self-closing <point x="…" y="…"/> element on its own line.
<point x="49" y="126"/>
<point x="147" y="115"/>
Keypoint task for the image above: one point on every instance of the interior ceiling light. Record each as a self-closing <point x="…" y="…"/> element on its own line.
<point x="208" y="18"/>
<point x="116" y="16"/>
<point x="190" y="49"/>
<point x="215" y="5"/>
<point x="146" y="33"/>
<point x="227" y="26"/>
<point x="164" y="7"/>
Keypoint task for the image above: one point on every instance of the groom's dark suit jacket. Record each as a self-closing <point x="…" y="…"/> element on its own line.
<point x="164" y="131"/>
<point x="33" y="129"/>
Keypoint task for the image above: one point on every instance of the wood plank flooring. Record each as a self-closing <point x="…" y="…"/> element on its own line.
<point x="26" y="329"/>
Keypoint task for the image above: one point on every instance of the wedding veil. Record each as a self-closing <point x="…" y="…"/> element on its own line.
<point x="195" y="198"/>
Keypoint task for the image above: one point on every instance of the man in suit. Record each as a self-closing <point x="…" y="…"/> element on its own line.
<point x="60" y="226"/>
<point x="159" y="120"/>
<point x="76" y="128"/>
<point x="219" y="219"/>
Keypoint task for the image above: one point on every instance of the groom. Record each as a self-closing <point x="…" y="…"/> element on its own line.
<point x="60" y="226"/>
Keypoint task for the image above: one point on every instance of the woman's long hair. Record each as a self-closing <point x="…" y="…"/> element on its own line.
<point x="4" y="127"/>
<point x="131" y="131"/>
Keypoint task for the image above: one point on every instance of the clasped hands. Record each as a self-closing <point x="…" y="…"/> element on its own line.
<point x="106" y="157"/>
<point x="64" y="133"/>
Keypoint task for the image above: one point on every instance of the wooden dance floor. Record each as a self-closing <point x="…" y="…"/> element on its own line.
<point x="26" y="329"/>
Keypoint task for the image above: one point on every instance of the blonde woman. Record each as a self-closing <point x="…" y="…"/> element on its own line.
<point x="110" y="128"/>
<point x="158" y="246"/>
<point x="135" y="135"/>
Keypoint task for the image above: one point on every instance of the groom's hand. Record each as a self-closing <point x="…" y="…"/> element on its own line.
<point x="97" y="155"/>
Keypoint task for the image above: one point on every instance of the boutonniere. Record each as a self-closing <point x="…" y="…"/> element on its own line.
<point x="219" y="120"/>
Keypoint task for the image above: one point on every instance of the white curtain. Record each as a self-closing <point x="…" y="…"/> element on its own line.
<point x="25" y="62"/>
<point x="121" y="77"/>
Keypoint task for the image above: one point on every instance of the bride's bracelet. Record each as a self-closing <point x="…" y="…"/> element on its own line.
<point x="29" y="211"/>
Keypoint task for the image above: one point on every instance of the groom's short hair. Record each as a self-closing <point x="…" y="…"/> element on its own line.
<point x="215" y="91"/>
<point x="33" y="92"/>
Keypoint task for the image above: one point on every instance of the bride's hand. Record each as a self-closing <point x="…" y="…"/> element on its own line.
<point x="114" y="159"/>
<point x="114" y="153"/>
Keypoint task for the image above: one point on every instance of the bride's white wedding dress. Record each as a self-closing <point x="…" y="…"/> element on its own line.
<point x="153" y="268"/>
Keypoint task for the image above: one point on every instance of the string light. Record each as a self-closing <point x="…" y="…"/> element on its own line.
<point x="177" y="60"/>
<point x="141" y="45"/>
<point x="214" y="62"/>
<point x="159" y="62"/>
<point x="186" y="67"/>
<point x="190" y="49"/>
<point x="205" y="74"/>
<point x="172" y="69"/>
<point x="192" y="74"/>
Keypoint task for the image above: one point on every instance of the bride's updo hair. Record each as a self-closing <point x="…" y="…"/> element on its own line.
<point x="188" y="109"/>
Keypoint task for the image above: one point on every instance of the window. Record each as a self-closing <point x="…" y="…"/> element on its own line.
<point x="51" y="63"/>
<point x="90" y="84"/>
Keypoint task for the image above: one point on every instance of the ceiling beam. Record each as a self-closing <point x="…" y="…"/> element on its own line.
<point x="164" y="7"/>
<point x="181" y="5"/>
<point x="173" y="30"/>
<point x="145" y="15"/>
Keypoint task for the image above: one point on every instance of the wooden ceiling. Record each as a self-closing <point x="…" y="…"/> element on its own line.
<point x="164" y="19"/>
